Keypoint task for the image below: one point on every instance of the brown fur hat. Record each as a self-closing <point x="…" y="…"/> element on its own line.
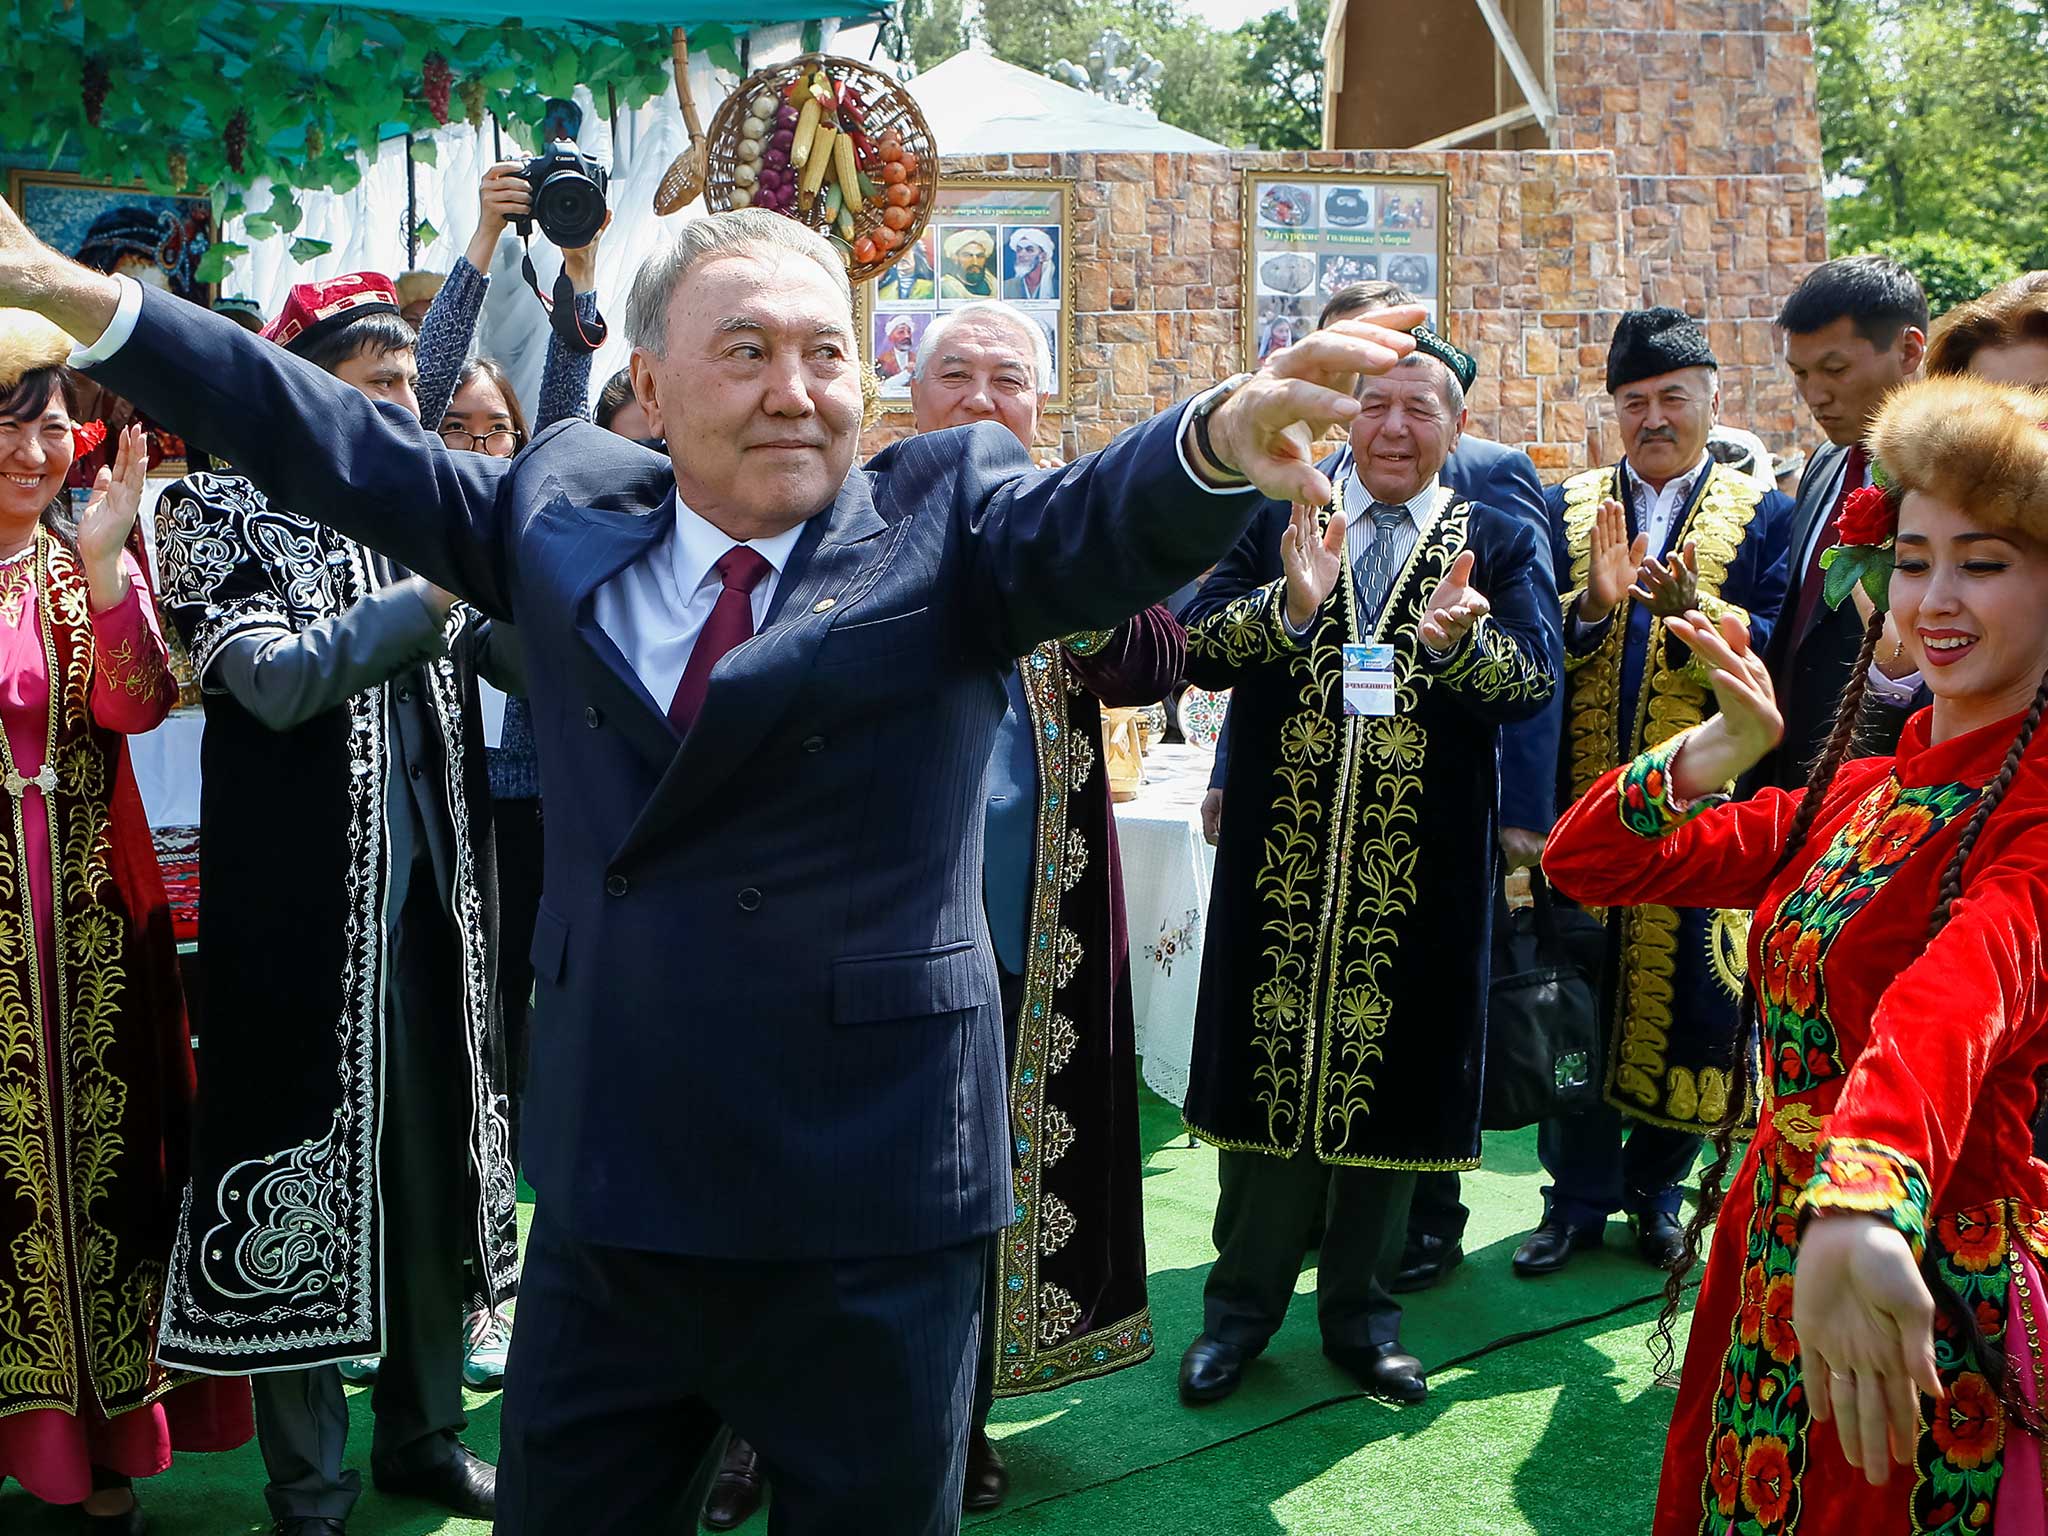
<point x="28" y="342"/>
<point x="1980" y="447"/>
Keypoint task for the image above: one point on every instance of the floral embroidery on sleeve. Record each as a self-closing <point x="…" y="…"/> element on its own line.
<point x="1248" y="630"/>
<point x="1493" y="665"/>
<point x="1649" y="808"/>
<point x="1869" y="1177"/>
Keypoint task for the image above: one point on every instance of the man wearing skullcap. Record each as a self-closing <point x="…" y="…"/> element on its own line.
<point x="967" y="253"/>
<point x="351" y="1185"/>
<point x="1667" y="530"/>
<point x="1032" y="274"/>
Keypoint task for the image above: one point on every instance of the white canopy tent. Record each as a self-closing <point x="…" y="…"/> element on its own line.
<point x="979" y="105"/>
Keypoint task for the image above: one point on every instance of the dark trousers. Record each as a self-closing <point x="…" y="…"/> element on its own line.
<point x="1438" y="1209"/>
<point x="1594" y="1173"/>
<point x="1010" y="988"/>
<point x="1265" y="1208"/>
<point x="518" y="828"/>
<point x="625" y="1363"/>
<point x="423" y="1180"/>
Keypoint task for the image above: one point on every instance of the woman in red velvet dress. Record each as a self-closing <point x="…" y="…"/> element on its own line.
<point x="1899" y="984"/>
<point x="95" y="1063"/>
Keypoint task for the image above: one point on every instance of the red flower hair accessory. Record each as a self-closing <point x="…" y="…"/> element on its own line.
<point x="1863" y="552"/>
<point x="86" y="436"/>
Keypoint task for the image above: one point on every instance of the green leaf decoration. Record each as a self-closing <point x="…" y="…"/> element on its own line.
<point x="213" y="266"/>
<point x="426" y="151"/>
<point x="259" y="226"/>
<point x="726" y="57"/>
<point x="1846" y="565"/>
<point x="425" y="233"/>
<point x="304" y="250"/>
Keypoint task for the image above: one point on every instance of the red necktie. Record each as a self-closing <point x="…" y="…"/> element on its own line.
<point x="731" y="623"/>
<point x="1810" y="582"/>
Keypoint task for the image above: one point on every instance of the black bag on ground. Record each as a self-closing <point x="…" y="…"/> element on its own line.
<point x="1543" y="1042"/>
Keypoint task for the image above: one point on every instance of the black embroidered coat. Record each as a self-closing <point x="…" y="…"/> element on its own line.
<point x="1343" y="1001"/>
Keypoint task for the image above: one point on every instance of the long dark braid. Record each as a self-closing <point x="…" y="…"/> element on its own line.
<point x="1962" y="1320"/>
<point x="1748" y="1047"/>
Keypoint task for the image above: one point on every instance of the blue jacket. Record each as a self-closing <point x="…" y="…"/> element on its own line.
<point x="767" y="1023"/>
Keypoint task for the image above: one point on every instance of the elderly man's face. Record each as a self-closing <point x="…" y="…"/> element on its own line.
<point x="1403" y="432"/>
<point x="983" y="370"/>
<point x="973" y="261"/>
<point x="1665" y="421"/>
<point x="758" y="393"/>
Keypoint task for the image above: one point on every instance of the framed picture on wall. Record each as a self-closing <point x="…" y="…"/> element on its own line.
<point x="998" y="237"/>
<point x="157" y="238"/>
<point x="1309" y="233"/>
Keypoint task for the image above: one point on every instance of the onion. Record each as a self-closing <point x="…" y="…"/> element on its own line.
<point x="785" y="116"/>
<point x="744" y="174"/>
<point x="775" y="157"/>
<point x="749" y="151"/>
<point x="742" y="198"/>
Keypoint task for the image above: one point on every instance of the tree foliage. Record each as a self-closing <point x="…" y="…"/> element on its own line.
<point x="1260" y="85"/>
<point x="1934" y="121"/>
<point x="1952" y="270"/>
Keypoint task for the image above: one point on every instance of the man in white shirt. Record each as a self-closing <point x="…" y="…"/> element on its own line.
<point x="766" y="1119"/>
<point x="1667" y="529"/>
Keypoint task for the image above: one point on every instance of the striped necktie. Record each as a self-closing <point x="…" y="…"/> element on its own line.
<point x="1375" y="570"/>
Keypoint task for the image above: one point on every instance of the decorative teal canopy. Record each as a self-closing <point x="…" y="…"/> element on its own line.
<point x="183" y="93"/>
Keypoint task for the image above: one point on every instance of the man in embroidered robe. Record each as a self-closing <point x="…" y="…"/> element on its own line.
<point x="352" y="1147"/>
<point x="1067" y="1281"/>
<point x="1342" y="1016"/>
<point x="1667" y="529"/>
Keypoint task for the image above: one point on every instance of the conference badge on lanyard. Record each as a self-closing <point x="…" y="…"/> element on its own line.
<point x="1369" y="683"/>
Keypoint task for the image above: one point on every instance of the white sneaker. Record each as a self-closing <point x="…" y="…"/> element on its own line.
<point x="490" y="1340"/>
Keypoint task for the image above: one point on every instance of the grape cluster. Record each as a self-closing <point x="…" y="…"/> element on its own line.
<point x="316" y="141"/>
<point x="472" y="94"/>
<point x="435" y="79"/>
<point x="235" y="140"/>
<point x="93" y="89"/>
<point x="179" y="169"/>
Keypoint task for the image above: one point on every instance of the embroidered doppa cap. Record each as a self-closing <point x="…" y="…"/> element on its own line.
<point x="1648" y="342"/>
<point x="1980" y="447"/>
<point x="314" y="310"/>
<point x="29" y="342"/>
<point x="1463" y="365"/>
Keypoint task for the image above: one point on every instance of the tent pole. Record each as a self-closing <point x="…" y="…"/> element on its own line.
<point x="412" y="212"/>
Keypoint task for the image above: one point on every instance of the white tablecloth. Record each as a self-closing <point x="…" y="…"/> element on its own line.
<point x="167" y="769"/>
<point x="1167" y="865"/>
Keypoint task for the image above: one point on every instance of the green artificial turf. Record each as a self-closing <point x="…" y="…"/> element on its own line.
<point x="1542" y="1418"/>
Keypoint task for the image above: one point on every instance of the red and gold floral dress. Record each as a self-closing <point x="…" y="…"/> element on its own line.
<point x="1899" y="1079"/>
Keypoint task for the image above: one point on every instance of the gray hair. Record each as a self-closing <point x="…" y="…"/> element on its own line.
<point x="718" y="234"/>
<point x="991" y="309"/>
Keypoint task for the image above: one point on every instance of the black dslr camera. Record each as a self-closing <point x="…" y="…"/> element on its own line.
<point x="568" y="195"/>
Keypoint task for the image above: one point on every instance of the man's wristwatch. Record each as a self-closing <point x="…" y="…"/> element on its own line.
<point x="1198" y="423"/>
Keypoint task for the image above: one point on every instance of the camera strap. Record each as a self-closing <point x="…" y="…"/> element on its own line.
<point x="563" y="317"/>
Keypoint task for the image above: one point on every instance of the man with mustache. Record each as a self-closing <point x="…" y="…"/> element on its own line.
<point x="1635" y="544"/>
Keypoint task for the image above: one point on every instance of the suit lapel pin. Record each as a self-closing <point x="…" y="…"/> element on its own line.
<point x="822" y="604"/>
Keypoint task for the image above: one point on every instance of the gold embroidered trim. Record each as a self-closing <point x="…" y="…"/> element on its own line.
<point x="1640" y="1079"/>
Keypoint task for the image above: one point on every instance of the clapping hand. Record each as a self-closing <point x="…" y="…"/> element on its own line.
<point x="1613" y="564"/>
<point x="1865" y="1323"/>
<point x="1266" y="431"/>
<point x="1748" y="724"/>
<point x="1312" y="561"/>
<point x="110" y="517"/>
<point x="1454" y="607"/>
<point x="1669" y="589"/>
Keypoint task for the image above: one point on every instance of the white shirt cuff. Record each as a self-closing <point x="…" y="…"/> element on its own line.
<point x="1180" y="450"/>
<point x="1898" y="692"/>
<point x="118" y="330"/>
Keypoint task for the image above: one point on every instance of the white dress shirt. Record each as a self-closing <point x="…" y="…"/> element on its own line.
<point x="1657" y="512"/>
<point x="655" y="608"/>
<point x="1359" y="528"/>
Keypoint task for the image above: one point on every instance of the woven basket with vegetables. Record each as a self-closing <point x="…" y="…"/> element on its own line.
<point x="831" y="143"/>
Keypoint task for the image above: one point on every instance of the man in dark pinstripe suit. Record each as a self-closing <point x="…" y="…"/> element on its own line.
<point x="766" y="1119"/>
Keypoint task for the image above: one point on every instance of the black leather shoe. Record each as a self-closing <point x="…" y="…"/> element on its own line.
<point x="1210" y="1371"/>
<point x="1551" y="1246"/>
<point x="464" y="1483"/>
<point x="1660" y="1239"/>
<point x="1425" y="1261"/>
<point x="310" y="1525"/>
<point x="988" y="1479"/>
<point x="1383" y="1370"/>
<point x="130" y="1522"/>
<point x="737" y="1491"/>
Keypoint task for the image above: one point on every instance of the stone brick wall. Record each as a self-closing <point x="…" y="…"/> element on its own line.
<point x="1687" y="172"/>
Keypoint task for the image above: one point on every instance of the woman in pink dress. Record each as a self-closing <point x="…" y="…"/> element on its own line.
<point x="95" y="1062"/>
